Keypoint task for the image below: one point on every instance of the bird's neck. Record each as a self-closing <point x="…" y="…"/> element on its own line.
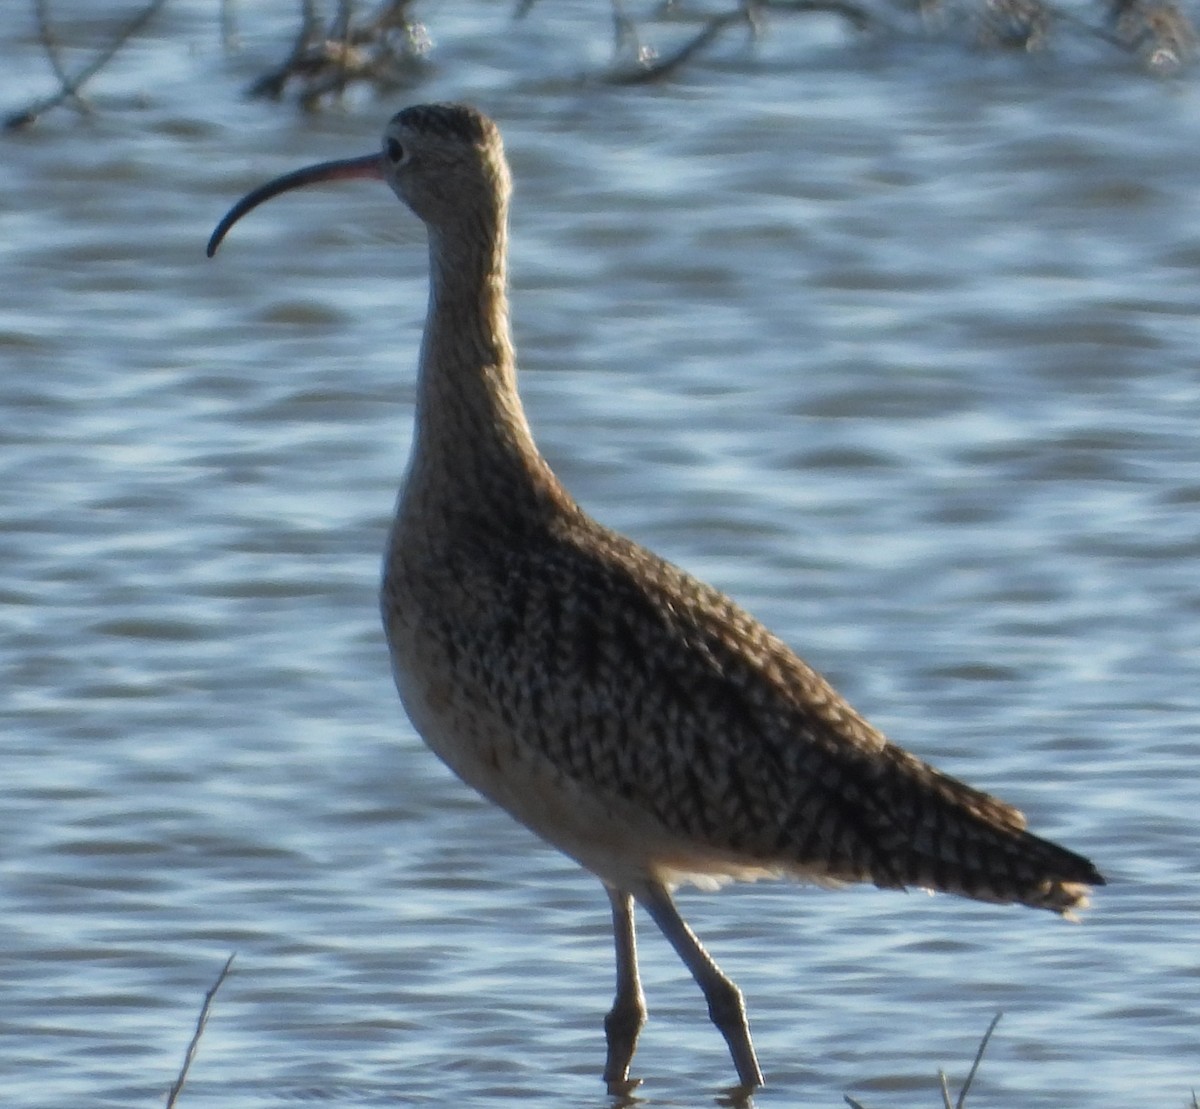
<point x="474" y="458"/>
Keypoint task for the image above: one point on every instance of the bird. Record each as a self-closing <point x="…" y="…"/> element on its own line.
<point x="632" y="716"/>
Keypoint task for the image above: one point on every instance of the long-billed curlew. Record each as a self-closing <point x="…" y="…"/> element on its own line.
<point x="627" y="713"/>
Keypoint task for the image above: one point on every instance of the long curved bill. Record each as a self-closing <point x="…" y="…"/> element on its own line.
<point x="370" y="166"/>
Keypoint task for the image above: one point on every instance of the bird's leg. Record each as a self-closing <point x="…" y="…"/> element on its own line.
<point x="725" y="1004"/>
<point x="624" y="1021"/>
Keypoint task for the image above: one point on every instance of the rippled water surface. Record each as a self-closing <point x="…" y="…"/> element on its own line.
<point x="896" y="344"/>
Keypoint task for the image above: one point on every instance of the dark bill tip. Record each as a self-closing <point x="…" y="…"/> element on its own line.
<point x="369" y="166"/>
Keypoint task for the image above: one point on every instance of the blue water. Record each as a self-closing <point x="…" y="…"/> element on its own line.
<point x="893" y="342"/>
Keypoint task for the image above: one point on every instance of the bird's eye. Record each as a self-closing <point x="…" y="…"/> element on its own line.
<point x="394" y="150"/>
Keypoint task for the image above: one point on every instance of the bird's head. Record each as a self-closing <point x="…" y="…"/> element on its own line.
<point x="445" y="161"/>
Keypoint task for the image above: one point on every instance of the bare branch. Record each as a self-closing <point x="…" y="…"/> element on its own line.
<point x="749" y="12"/>
<point x="270" y="85"/>
<point x="666" y="66"/>
<point x="71" y="86"/>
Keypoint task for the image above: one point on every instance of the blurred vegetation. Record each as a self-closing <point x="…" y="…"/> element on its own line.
<point x="384" y="45"/>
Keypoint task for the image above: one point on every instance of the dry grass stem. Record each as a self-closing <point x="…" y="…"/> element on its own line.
<point x="943" y="1082"/>
<point x="962" y="1097"/>
<point x="194" y="1043"/>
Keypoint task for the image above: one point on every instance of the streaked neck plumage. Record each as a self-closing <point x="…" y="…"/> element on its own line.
<point x="474" y="460"/>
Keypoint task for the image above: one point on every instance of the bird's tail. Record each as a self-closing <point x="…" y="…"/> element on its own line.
<point x="935" y="832"/>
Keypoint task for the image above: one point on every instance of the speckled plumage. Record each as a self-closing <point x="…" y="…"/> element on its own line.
<point x="646" y="689"/>
<point x="626" y="712"/>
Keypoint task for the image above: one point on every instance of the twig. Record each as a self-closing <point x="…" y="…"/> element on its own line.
<point x="672" y="62"/>
<point x="201" y="1021"/>
<point x="270" y="85"/>
<point x="341" y="32"/>
<point x="1065" y="16"/>
<point x="71" y="86"/>
<point x="749" y="12"/>
<point x="625" y="31"/>
<point x="51" y="47"/>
